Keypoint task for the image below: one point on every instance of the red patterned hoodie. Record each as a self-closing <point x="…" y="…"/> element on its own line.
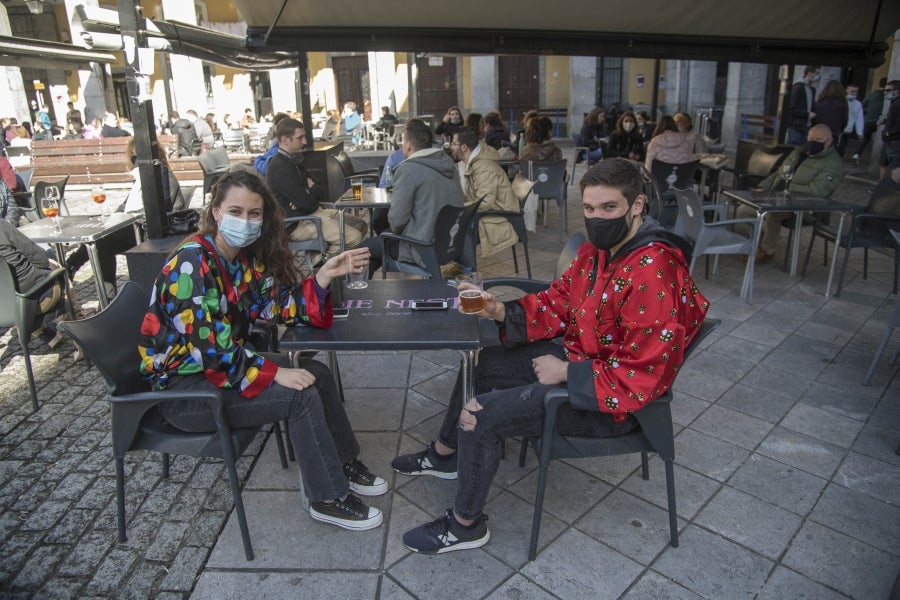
<point x="625" y="320"/>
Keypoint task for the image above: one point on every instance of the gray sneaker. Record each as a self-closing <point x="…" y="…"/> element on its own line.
<point x="426" y="462"/>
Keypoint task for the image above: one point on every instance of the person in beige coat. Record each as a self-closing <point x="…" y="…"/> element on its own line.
<point x="485" y="178"/>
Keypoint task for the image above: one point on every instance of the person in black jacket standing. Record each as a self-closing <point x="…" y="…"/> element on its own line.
<point x="803" y="106"/>
<point x="890" y="163"/>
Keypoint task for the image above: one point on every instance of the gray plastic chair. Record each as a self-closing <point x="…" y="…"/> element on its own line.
<point x="550" y="180"/>
<point x="715" y="238"/>
<point x="306" y="251"/>
<point x="20" y="309"/>
<point x="137" y="422"/>
<point x="654" y="434"/>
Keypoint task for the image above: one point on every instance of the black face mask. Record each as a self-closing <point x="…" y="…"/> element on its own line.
<point x="606" y="233"/>
<point x="813" y="147"/>
<point x="133" y="160"/>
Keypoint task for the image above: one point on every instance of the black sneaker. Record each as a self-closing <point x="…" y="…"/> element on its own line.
<point x="349" y="512"/>
<point x="445" y="534"/>
<point x="362" y="481"/>
<point x="426" y="462"/>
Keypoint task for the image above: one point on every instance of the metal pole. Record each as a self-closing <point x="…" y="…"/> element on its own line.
<point x="141" y="107"/>
<point x="303" y="91"/>
<point x="784" y="98"/>
<point x="654" y="105"/>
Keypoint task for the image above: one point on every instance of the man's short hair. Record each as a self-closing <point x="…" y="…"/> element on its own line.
<point x="617" y="173"/>
<point x="467" y="136"/>
<point x="882" y="82"/>
<point x="193" y="113"/>
<point x="894" y="83"/>
<point x="419" y="135"/>
<point x="810" y="69"/>
<point x="287" y="127"/>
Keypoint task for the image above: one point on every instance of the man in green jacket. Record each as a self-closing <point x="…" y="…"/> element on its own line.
<point x="818" y="169"/>
<point x="873" y="105"/>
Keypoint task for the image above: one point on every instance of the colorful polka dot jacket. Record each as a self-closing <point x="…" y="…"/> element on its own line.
<point x="625" y="322"/>
<point x="200" y="316"/>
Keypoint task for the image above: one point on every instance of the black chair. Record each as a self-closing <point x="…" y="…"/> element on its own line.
<point x="351" y="175"/>
<point x="763" y="162"/>
<point x="450" y="232"/>
<point x="517" y="220"/>
<point x="137" y="422"/>
<point x="214" y="163"/>
<point x="654" y="434"/>
<point x="870" y="228"/>
<point x="20" y="309"/>
<point x="669" y="177"/>
<point x="550" y="181"/>
<point x="33" y="211"/>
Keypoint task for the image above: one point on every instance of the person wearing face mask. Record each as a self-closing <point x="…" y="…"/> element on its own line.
<point x="236" y="270"/>
<point x="833" y="110"/>
<point x="625" y="309"/>
<point x="818" y="169"/>
<point x="855" y="120"/>
<point x="802" y="108"/>
<point x="626" y="141"/>
<point x="122" y="240"/>
<point x="890" y="162"/>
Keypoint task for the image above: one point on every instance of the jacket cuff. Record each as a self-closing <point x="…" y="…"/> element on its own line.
<point x="582" y="393"/>
<point x="514" y="329"/>
<point x="263" y="380"/>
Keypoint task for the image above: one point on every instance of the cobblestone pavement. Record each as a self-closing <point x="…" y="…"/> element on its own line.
<point x="787" y="479"/>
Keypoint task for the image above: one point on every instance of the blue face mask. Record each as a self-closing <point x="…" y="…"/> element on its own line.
<point x="851" y="97"/>
<point x="239" y="233"/>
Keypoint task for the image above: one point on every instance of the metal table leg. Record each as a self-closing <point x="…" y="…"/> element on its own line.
<point x="98" y="275"/>
<point x="837" y="246"/>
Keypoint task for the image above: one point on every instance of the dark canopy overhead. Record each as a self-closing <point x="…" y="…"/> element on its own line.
<point x="830" y="32"/>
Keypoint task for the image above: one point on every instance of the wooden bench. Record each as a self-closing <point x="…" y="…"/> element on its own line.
<point x="104" y="161"/>
<point x="758" y="127"/>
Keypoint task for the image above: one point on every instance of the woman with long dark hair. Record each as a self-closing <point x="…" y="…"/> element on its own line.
<point x="592" y="131"/>
<point x="626" y="141"/>
<point x="235" y="270"/>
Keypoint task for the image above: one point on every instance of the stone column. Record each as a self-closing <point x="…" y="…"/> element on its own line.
<point x="189" y="87"/>
<point x="484" y="84"/>
<point x="745" y="93"/>
<point x="582" y="90"/>
<point x="13" y="101"/>
<point x="892" y="74"/>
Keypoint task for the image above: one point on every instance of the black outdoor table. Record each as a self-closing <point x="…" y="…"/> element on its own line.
<point x="798" y="204"/>
<point x="381" y="319"/>
<point x="85" y="230"/>
<point x="373" y="197"/>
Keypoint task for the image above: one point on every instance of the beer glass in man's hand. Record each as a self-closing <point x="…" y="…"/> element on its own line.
<point x="471" y="293"/>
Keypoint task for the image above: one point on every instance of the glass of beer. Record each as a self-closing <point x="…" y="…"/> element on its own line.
<point x="357" y="188"/>
<point x="471" y="293"/>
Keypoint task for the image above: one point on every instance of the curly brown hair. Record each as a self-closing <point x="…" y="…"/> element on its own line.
<point x="272" y="246"/>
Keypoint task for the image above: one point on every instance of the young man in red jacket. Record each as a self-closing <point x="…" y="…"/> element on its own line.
<point x="626" y="310"/>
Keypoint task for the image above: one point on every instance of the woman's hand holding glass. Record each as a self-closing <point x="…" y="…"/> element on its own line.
<point x="355" y="260"/>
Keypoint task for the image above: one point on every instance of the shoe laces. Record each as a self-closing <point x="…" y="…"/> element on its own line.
<point x="352" y="505"/>
<point x="356" y="470"/>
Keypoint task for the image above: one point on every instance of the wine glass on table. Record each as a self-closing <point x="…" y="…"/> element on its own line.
<point x="50" y="205"/>
<point x="98" y="195"/>
<point x="787" y="173"/>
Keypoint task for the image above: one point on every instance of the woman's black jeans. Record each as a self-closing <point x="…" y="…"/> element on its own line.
<point x="318" y="426"/>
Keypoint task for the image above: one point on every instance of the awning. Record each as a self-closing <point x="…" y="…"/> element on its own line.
<point x="827" y="32"/>
<point x="179" y="38"/>
<point x="41" y="54"/>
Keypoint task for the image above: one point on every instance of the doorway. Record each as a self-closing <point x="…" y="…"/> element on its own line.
<point x="351" y="74"/>
<point x="519" y="78"/>
<point x="436" y="85"/>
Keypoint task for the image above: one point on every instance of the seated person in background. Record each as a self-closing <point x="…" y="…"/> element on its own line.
<point x="9" y="210"/>
<point x="29" y="264"/>
<point x="333" y="125"/>
<point x="424" y="183"/>
<point x="626" y="141"/>
<point x="236" y="269"/>
<point x="451" y="123"/>
<point x="247" y="119"/>
<point x="111" y="127"/>
<point x="686" y="126"/>
<point x="299" y="195"/>
<point x="261" y="162"/>
<point x="21" y="137"/>
<point x="642" y="120"/>
<point x="818" y="169"/>
<point x="519" y="142"/>
<point x="387" y="177"/>
<point x="387" y="120"/>
<point x="539" y="146"/>
<point x="485" y="178"/>
<point x="352" y="122"/>
<point x="625" y="310"/>
<point x="475" y="122"/>
<point x="93" y="130"/>
<point x="592" y="131"/>
<point x="668" y="145"/>
<point x="495" y="133"/>
<point x="122" y="240"/>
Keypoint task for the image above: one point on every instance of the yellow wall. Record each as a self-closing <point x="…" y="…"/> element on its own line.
<point x="556" y="81"/>
<point x="466" y="92"/>
<point x="643" y="95"/>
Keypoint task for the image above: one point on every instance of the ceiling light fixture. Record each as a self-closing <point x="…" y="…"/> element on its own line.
<point x="35" y="7"/>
